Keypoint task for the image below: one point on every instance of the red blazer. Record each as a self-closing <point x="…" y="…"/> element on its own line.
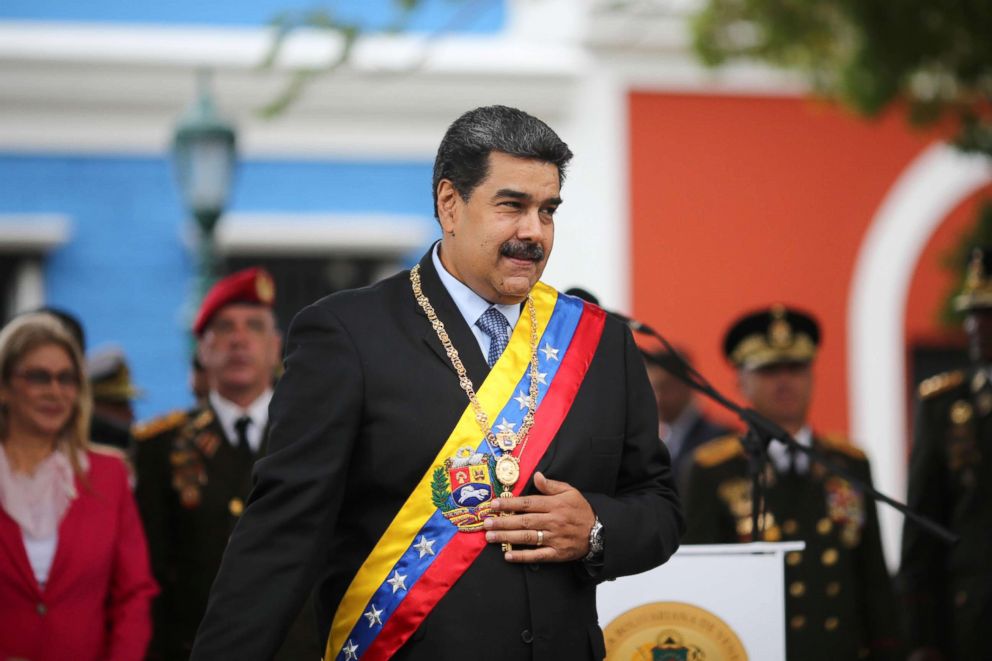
<point x="96" y="604"/>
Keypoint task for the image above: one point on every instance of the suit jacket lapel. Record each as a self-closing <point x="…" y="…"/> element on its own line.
<point x="69" y="536"/>
<point x="454" y="323"/>
<point x="12" y="545"/>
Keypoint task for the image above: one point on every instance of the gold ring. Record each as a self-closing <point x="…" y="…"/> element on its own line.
<point x="540" y="538"/>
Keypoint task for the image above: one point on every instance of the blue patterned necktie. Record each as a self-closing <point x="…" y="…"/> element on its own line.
<point x="494" y="324"/>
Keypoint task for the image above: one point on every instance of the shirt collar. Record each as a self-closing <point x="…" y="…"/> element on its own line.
<point x="470" y="304"/>
<point x="228" y="412"/>
<point x="779" y="452"/>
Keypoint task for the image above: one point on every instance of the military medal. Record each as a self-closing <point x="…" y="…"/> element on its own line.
<point x="505" y="468"/>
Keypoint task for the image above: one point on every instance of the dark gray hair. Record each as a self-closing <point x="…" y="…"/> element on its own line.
<point x="463" y="156"/>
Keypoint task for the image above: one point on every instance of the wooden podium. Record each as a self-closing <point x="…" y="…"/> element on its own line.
<point x="720" y="602"/>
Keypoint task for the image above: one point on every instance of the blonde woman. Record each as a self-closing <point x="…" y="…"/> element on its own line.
<point x="74" y="576"/>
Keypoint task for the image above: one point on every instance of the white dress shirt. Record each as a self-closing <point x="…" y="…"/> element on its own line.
<point x="470" y="304"/>
<point x="228" y="413"/>
<point x="779" y="452"/>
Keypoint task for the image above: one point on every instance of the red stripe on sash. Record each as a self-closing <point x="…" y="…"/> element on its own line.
<point x="464" y="548"/>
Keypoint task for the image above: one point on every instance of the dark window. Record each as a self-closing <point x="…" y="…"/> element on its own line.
<point x="302" y="280"/>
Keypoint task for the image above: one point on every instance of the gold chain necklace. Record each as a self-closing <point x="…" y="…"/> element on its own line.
<point x="507" y="466"/>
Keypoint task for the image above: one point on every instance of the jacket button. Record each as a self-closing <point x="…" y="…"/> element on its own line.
<point x="41" y="608"/>
<point x="527" y="636"/>
<point x="534" y="566"/>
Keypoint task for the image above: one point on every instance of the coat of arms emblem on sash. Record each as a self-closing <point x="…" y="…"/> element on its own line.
<point x="463" y="488"/>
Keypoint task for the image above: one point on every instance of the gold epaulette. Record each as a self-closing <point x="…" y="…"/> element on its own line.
<point x="718" y="451"/>
<point x="941" y="383"/>
<point x="843" y="445"/>
<point x="145" y="430"/>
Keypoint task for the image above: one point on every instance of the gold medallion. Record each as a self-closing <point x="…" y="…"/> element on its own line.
<point x="507" y="470"/>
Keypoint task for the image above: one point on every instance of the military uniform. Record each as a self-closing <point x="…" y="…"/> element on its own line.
<point x="948" y="589"/>
<point x="192" y="488"/>
<point x="839" y="600"/>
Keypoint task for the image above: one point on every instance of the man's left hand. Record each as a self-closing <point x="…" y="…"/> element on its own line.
<point x="560" y="519"/>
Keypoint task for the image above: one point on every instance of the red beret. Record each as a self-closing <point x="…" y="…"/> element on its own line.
<point x="252" y="285"/>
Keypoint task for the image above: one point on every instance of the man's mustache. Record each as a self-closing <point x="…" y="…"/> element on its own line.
<point x="522" y="250"/>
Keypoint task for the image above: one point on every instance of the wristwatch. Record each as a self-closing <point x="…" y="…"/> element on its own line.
<point x="595" y="541"/>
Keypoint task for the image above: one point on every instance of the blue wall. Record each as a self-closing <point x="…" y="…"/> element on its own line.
<point x="126" y="270"/>
<point x="476" y="16"/>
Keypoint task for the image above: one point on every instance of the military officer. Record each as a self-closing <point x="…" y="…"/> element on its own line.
<point x="194" y="467"/>
<point x="839" y="601"/>
<point x="113" y="392"/>
<point x="948" y="589"/>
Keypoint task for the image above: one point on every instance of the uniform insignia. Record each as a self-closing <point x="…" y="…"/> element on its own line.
<point x="203" y="419"/>
<point x="189" y="496"/>
<point x="156" y="426"/>
<point x="846" y="508"/>
<point x="463" y="488"/>
<point x="941" y="383"/>
<point x="208" y="442"/>
<point x="189" y="475"/>
<point x="265" y="289"/>
<point x="779" y="332"/>
<point x="718" y="451"/>
<point x="961" y="412"/>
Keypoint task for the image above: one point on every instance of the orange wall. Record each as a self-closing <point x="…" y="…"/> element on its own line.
<point x="737" y="202"/>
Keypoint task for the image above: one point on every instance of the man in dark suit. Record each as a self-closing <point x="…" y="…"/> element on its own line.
<point x="359" y="421"/>
<point x="948" y="589"/>
<point x="839" y="602"/>
<point x="194" y="467"/>
<point x="681" y="424"/>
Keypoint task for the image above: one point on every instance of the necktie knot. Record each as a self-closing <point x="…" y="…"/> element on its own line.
<point x="494" y="324"/>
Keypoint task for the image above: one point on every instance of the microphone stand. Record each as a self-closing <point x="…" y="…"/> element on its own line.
<point x="761" y="431"/>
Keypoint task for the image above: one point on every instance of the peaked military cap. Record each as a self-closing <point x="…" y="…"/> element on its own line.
<point x="252" y="286"/>
<point x="774" y="335"/>
<point x="110" y="376"/>
<point x="977" y="291"/>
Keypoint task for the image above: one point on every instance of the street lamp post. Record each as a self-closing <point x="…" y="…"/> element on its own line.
<point x="204" y="156"/>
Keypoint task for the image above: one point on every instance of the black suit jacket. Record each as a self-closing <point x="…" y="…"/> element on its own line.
<point x="367" y="400"/>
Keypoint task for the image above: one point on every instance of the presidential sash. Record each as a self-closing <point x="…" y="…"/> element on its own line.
<point x="425" y="549"/>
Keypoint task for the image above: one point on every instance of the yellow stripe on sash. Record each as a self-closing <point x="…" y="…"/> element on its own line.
<point x="495" y="392"/>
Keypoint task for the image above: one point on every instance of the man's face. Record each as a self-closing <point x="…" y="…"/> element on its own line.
<point x="498" y="241"/>
<point x="240" y="350"/>
<point x="671" y="394"/>
<point x="978" y="325"/>
<point x="781" y="391"/>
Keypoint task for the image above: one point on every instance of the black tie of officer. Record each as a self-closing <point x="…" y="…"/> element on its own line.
<point x="241" y="427"/>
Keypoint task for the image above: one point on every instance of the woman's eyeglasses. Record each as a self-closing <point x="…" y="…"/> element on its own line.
<point x="42" y="377"/>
